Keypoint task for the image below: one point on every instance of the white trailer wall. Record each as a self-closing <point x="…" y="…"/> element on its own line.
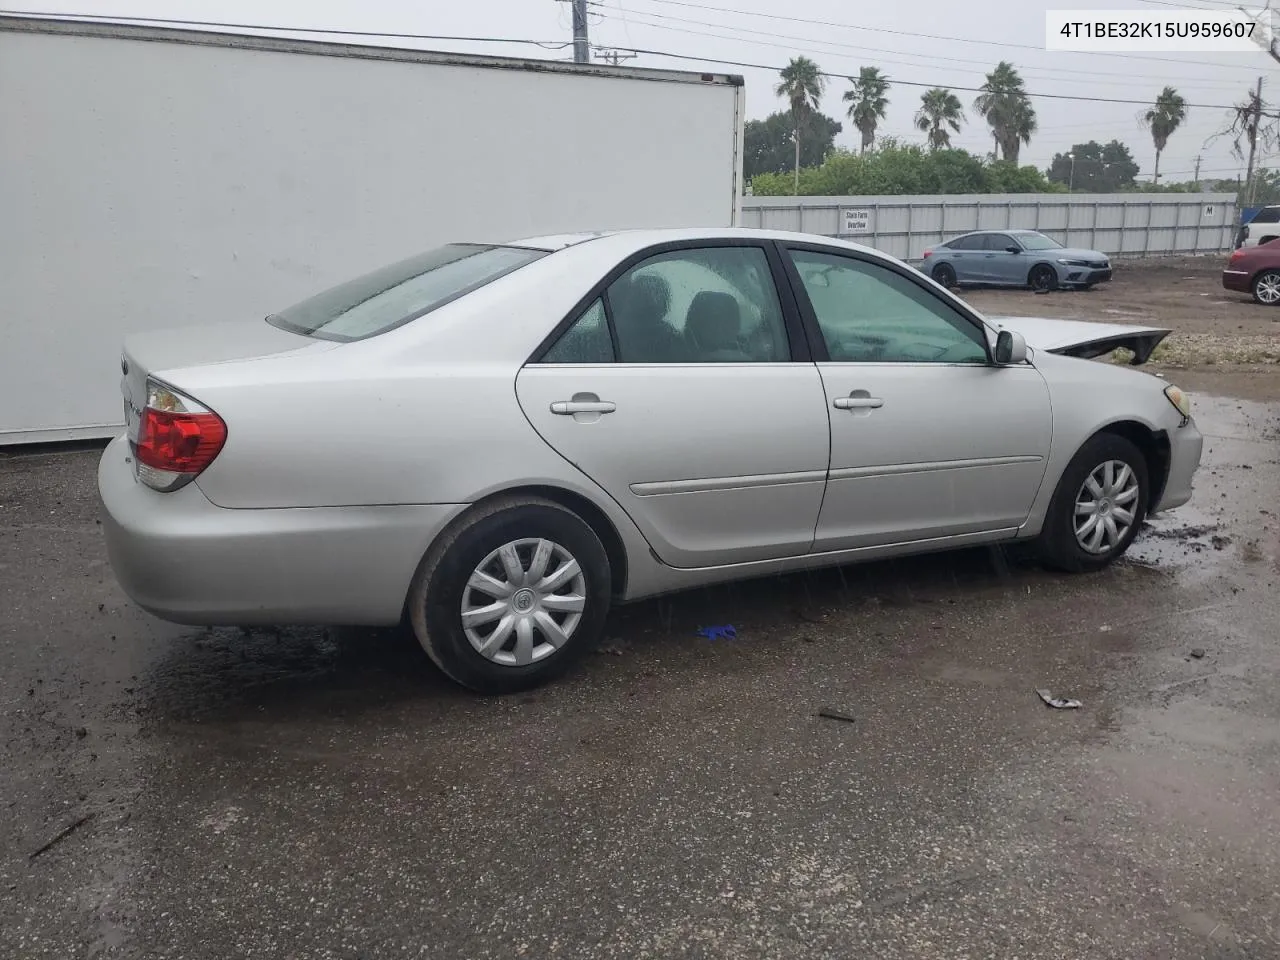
<point x="155" y="178"/>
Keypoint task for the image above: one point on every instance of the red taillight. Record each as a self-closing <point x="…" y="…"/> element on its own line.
<point x="1237" y="255"/>
<point x="928" y="254"/>
<point x="177" y="439"/>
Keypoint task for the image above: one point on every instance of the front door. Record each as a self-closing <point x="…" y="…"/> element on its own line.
<point x="676" y="391"/>
<point x="929" y="439"/>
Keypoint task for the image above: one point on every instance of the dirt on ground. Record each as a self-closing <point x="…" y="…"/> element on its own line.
<point x="1222" y="341"/>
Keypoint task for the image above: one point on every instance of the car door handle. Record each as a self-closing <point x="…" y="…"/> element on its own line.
<point x="857" y="403"/>
<point x="567" y="408"/>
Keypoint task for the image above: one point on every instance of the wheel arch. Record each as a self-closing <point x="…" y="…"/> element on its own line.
<point x="574" y="502"/>
<point x="1155" y="449"/>
<point x="1042" y="263"/>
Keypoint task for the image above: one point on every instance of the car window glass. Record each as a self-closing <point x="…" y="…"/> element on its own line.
<point x="404" y="291"/>
<point x="999" y="242"/>
<point x="966" y="243"/>
<point x="1267" y="215"/>
<point x="710" y="305"/>
<point x="871" y="314"/>
<point x="1038" y="241"/>
<point x="587" y="341"/>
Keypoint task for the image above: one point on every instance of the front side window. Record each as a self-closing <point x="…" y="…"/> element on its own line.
<point x="871" y="314"/>
<point x="999" y="242"/>
<point x="394" y="295"/>
<point x="708" y="305"/>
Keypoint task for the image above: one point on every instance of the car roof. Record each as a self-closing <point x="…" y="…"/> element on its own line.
<point x="1005" y="230"/>
<point x="641" y="238"/>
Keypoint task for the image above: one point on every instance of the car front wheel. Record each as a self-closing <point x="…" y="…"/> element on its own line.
<point x="1266" y="288"/>
<point x="513" y="597"/>
<point x="1098" y="506"/>
<point x="1042" y="278"/>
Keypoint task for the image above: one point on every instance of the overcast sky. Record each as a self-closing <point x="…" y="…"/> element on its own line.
<point x="855" y="33"/>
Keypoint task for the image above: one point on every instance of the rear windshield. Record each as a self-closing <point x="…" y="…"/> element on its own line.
<point x="404" y="291"/>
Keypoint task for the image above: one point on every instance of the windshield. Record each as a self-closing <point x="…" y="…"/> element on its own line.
<point x="1037" y="241"/>
<point x="394" y="295"/>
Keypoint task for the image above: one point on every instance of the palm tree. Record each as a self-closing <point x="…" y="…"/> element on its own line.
<point x="1164" y="118"/>
<point x="939" y="109"/>
<point x="867" y="102"/>
<point x="1007" y="109"/>
<point x="802" y="85"/>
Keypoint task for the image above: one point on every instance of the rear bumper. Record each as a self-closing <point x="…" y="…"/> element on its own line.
<point x="183" y="559"/>
<point x="1185" y="447"/>
<point x="1237" y="280"/>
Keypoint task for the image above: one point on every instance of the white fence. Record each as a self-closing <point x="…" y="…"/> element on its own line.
<point x="1118" y="224"/>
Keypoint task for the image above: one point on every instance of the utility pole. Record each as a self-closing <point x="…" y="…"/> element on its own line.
<point x="1255" y="120"/>
<point x="614" y="57"/>
<point x="1195" y="179"/>
<point x="581" y="48"/>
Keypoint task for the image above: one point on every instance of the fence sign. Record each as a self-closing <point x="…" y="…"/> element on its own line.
<point x="857" y="221"/>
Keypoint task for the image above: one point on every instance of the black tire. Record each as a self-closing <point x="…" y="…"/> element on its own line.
<point x="440" y="586"/>
<point x="944" y="275"/>
<point x="1266" y="288"/>
<point x="1058" y="545"/>
<point x="1042" y="278"/>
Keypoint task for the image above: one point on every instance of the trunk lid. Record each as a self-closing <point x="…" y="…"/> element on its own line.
<point x="1083" y="338"/>
<point x="158" y="350"/>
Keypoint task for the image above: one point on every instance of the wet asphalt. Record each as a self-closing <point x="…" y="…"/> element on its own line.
<point x="176" y="792"/>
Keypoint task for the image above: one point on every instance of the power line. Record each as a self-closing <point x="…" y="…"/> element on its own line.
<point x="983" y="65"/>
<point x="911" y="34"/>
<point x="908" y="83"/>
<point x="549" y="44"/>
<point x="99" y="18"/>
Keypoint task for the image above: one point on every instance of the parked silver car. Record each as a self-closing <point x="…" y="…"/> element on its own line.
<point x="496" y="442"/>
<point x="1014" y="258"/>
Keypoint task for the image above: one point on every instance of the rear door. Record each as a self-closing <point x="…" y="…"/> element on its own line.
<point x="999" y="265"/>
<point x="966" y="256"/>
<point x="683" y="386"/>
<point x="929" y="439"/>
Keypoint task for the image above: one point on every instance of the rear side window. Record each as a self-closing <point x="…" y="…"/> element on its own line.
<point x="1267" y="215"/>
<point x="971" y="242"/>
<point x="394" y="295"/>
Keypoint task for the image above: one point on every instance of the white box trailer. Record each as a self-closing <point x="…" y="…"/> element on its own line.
<point x="156" y="178"/>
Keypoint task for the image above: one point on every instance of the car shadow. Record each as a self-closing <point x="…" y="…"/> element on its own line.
<point x="289" y="673"/>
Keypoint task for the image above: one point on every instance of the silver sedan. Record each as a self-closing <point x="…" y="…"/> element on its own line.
<point x="1015" y="258"/>
<point x="496" y="442"/>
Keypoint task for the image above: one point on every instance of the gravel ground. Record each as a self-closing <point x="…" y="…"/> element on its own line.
<point x="180" y="793"/>
<point x="1221" y="342"/>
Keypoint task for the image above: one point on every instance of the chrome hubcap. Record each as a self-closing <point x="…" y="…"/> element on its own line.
<point x="523" y="602"/>
<point x="1269" y="288"/>
<point x="1106" y="506"/>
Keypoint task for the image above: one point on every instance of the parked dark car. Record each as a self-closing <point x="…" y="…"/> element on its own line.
<point x="1255" y="270"/>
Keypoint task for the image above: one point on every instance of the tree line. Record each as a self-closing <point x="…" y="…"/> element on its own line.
<point x="801" y="140"/>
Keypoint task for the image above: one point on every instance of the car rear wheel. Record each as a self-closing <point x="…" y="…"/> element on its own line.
<point x="1042" y="278"/>
<point x="1266" y="288"/>
<point x="513" y="597"/>
<point x="944" y="275"/>
<point x="1098" y="506"/>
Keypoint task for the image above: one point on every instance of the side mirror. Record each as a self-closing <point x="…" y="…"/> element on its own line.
<point x="1010" y="348"/>
<point x="1012" y="249"/>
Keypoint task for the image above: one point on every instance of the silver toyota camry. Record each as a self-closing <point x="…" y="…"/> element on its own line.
<point x="496" y="442"/>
